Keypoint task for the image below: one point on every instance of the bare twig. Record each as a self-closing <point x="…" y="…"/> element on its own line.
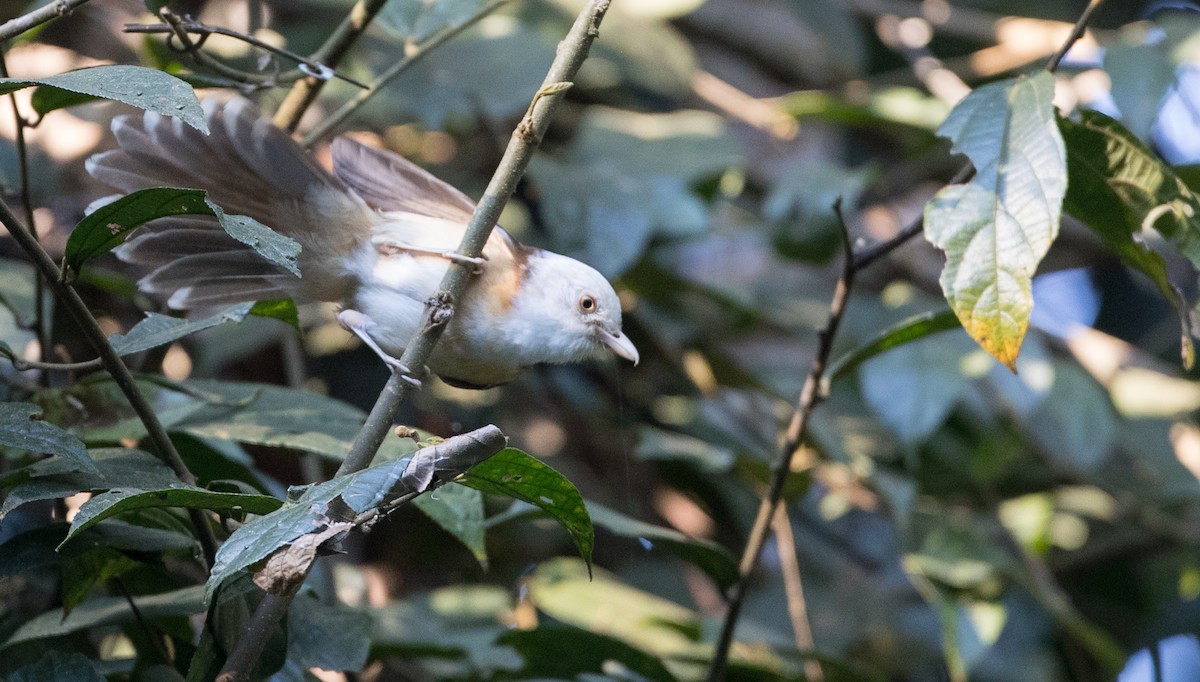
<point x="177" y="29"/>
<point x="794" y="437"/>
<point x="305" y="90"/>
<point x="411" y="57"/>
<point x="797" y="605"/>
<point x="22" y="365"/>
<point x="54" y="10"/>
<point x="190" y="26"/>
<point x="571" y="53"/>
<point x="1076" y="33"/>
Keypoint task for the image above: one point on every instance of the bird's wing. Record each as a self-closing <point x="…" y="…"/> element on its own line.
<point x="420" y="209"/>
<point x="249" y="167"/>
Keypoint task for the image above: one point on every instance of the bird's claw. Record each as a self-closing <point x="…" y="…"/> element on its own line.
<point x="402" y="371"/>
<point x="477" y="262"/>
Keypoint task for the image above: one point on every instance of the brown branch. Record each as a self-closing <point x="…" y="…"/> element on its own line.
<point x="794" y="437"/>
<point x="55" y="10"/>
<point x="304" y="92"/>
<point x="525" y="139"/>
<point x="793" y="585"/>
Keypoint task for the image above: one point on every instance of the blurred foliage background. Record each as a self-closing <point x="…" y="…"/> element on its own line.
<point x="949" y="520"/>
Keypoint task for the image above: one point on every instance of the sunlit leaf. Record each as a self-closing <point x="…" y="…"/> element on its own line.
<point x="996" y="229"/>
<point x="159" y="330"/>
<point x="1141" y="76"/>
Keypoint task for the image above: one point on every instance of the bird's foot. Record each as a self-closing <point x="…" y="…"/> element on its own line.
<point x="360" y="325"/>
<point x="388" y="247"/>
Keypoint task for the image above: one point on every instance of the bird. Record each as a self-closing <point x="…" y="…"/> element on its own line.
<point x="376" y="235"/>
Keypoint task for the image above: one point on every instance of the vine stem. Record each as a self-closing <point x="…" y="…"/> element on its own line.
<point x="528" y="135"/>
<point x="811" y="395"/>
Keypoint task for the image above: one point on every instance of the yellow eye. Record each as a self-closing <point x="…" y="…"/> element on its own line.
<point x="587" y="304"/>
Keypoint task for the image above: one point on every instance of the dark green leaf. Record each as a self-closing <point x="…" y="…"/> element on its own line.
<point x="708" y="556"/>
<point x="83" y="571"/>
<point x="1118" y="187"/>
<point x="60" y="666"/>
<point x="21" y="427"/>
<point x="158" y="330"/>
<point x="1075" y="424"/>
<point x="566" y="652"/>
<point x="515" y="474"/>
<point x="138" y="86"/>
<point x="18" y="290"/>
<point x="120" y="500"/>
<point x="109" y="226"/>
<point x="914" y="328"/>
<point x="327" y="637"/>
<point x="996" y="229"/>
<point x="109" y="611"/>
<point x="459" y="511"/>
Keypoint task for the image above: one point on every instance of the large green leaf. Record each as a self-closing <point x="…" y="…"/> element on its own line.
<point x="115" y="467"/>
<point x="109" y="226"/>
<point x="1141" y="76"/>
<point x="515" y="474"/>
<point x="996" y="229"/>
<point x="119" y="500"/>
<point x="109" y="611"/>
<point x="1118" y="187"/>
<point x="58" y="665"/>
<point x="22" y="427"/>
<point x="137" y="86"/>
<point x="329" y="637"/>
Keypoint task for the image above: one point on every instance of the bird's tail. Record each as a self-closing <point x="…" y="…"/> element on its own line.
<point x="248" y="167"/>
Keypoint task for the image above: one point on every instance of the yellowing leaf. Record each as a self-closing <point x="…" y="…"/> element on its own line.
<point x="996" y="229"/>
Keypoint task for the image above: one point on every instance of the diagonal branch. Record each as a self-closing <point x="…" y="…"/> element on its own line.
<point x="525" y="139"/>
<point x="49" y="12"/>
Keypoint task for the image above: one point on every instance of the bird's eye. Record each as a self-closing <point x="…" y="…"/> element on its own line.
<point x="587" y="304"/>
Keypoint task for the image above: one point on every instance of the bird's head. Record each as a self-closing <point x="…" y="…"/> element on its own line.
<point x="574" y="311"/>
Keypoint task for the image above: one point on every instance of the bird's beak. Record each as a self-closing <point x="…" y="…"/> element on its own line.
<point x="620" y="344"/>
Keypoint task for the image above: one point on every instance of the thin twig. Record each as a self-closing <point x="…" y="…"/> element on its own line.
<point x="793" y="585"/>
<point x="177" y="29"/>
<point x="55" y="10"/>
<point x="794" y="437"/>
<point x="22" y="365"/>
<point x="411" y="57"/>
<point x="203" y="30"/>
<point x="113" y="364"/>
<point x="304" y="92"/>
<point x="571" y="53"/>
<point x="1077" y="32"/>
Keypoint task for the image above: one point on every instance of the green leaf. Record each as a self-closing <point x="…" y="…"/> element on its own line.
<point x="558" y="652"/>
<point x="1119" y="187"/>
<point x="18" y="290"/>
<point x="996" y="229"/>
<point x="1141" y="76"/>
<point x="459" y="511"/>
<point x="335" y="504"/>
<point x="137" y="86"/>
<point x="515" y="474"/>
<point x="329" y="637"/>
<point x="1076" y="425"/>
<point x="58" y="665"/>
<point x="84" y="571"/>
<point x="21" y="427"/>
<point x="417" y="20"/>
<point x="159" y="330"/>
<point x="109" y="611"/>
<point x="119" y="500"/>
<point x="280" y="309"/>
<point x="109" y="226"/>
<point x="912" y="329"/>
<point x="708" y="556"/>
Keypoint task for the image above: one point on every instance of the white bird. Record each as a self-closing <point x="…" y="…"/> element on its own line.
<point x="377" y="236"/>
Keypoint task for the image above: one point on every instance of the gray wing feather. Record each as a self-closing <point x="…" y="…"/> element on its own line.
<point x="390" y="182"/>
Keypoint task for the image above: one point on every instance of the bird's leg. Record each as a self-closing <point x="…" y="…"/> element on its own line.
<point x="359" y="324"/>
<point x="387" y="247"/>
